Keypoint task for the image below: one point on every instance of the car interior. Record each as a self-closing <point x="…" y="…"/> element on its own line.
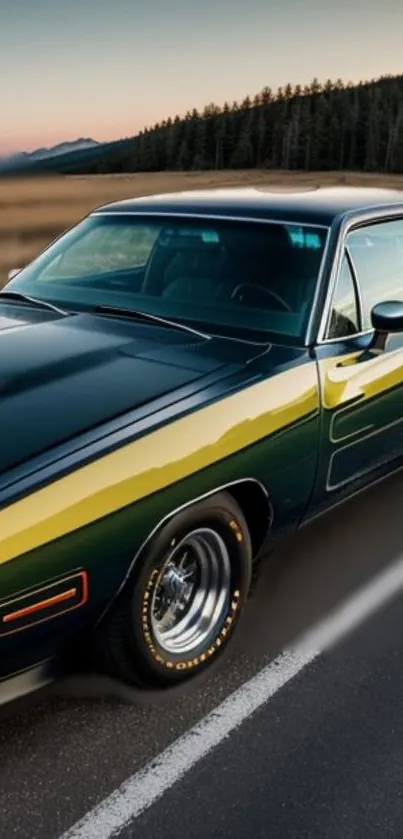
<point x="262" y="269"/>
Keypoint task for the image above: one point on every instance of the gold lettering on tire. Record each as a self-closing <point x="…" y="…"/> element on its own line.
<point x="207" y="654"/>
<point x="237" y="530"/>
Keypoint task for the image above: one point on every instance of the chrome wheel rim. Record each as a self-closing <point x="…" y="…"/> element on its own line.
<point x="192" y="593"/>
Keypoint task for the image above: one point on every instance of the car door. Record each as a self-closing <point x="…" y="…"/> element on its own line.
<point x="361" y="382"/>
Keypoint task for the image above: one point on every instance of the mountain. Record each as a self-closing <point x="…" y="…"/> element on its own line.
<point x="24" y="160"/>
<point x="62" y="148"/>
<point x="68" y="163"/>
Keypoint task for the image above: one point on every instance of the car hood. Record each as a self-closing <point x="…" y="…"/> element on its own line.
<point x="61" y="376"/>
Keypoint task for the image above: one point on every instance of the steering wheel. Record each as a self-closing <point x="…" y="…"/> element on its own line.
<point x="280" y="300"/>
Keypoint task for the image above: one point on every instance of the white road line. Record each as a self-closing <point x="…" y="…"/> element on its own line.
<point x="147" y="785"/>
<point x="354" y="610"/>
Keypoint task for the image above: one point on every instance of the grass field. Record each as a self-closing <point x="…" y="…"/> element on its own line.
<point x="34" y="211"/>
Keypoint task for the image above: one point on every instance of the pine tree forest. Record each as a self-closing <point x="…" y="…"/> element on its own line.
<point x="330" y="126"/>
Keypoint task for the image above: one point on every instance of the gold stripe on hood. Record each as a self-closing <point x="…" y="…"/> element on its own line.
<point x="157" y="460"/>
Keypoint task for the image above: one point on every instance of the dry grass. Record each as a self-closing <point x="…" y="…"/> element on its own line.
<point x="34" y="211"/>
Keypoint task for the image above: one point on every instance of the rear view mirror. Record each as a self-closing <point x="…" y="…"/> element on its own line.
<point x="13" y="273"/>
<point x="387" y="319"/>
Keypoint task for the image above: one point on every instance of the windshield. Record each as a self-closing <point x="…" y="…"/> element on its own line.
<point x="231" y="277"/>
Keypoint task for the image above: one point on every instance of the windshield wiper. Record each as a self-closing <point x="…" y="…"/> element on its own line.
<point x="134" y="314"/>
<point x="33" y="301"/>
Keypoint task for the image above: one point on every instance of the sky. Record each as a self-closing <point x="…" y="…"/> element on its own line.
<point x="105" y="69"/>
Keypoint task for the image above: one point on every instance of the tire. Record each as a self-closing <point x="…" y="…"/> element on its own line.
<point x="204" y="549"/>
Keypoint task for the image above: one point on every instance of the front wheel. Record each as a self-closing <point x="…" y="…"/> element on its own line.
<point x="182" y="607"/>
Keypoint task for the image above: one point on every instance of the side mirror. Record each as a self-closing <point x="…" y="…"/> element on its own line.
<point x="387" y="319"/>
<point x="13" y="273"/>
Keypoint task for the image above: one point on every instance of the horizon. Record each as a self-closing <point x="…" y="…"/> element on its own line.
<point x="72" y="140"/>
<point x="75" y="75"/>
<point x="78" y="139"/>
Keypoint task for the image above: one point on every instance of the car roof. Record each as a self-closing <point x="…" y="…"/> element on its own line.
<point x="316" y="205"/>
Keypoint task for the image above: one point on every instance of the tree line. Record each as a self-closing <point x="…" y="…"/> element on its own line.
<point x="330" y="126"/>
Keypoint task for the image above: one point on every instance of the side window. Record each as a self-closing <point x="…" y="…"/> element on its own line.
<point x="377" y="255"/>
<point x="344" y="319"/>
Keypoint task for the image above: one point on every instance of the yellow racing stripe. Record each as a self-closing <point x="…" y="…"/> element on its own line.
<point x="157" y="460"/>
<point x="359" y="375"/>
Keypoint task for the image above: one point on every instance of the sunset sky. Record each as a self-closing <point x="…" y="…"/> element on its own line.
<point x="106" y="68"/>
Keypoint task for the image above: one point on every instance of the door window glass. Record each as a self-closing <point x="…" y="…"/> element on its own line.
<point x="344" y="318"/>
<point x="377" y="255"/>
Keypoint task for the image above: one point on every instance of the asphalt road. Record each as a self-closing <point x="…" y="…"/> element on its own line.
<point x="323" y="758"/>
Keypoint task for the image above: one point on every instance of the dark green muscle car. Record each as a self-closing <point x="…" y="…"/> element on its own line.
<point x="184" y="380"/>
